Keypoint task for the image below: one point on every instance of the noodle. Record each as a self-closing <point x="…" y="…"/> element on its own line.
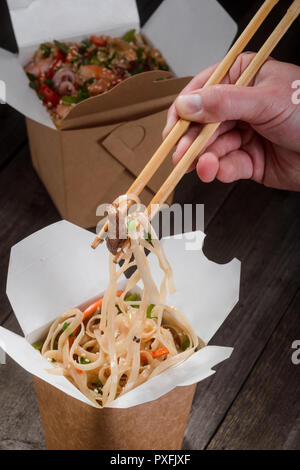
<point x="125" y="338"/>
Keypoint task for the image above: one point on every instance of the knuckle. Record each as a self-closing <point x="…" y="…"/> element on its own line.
<point x="215" y="99"/>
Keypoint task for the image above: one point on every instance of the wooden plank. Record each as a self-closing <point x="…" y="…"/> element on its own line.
<point x="260" y="227"/>
<point x="12" y="133"/>
<point x="266" y="413"/>
<point x="25" y="208"/>
<point x="20" y="425"/>
<point x="242" y="12"/>
<point x="191" y="190"/>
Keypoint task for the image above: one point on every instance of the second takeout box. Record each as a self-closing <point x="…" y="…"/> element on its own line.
<point x="55" y="269"/>
<point x="105" y="141"/>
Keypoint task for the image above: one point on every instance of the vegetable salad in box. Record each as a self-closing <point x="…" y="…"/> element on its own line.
<point x="66" y="73"/>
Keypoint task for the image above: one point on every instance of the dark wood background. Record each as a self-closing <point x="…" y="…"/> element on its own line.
<point x="253" y="400"/>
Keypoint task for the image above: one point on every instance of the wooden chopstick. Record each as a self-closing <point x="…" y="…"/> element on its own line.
<point x="182" y="125"/>
<point x="209" y="129"/>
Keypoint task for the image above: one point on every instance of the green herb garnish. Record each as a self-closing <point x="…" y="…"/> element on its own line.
<point x="65" y="326"/>
<point x="129" y="36"/>
<point x="148" y="238"/>
<point x="95" y="60"/>
<point x="83" y="360"/>
<point x="140" y="53"/>
<point x="131" y="226"/>
<point x="62" y="46"/>
<point x="149" y="311"/>
<point x="86" y="61"/>
<point x="41" y="96"/>
<point x="185" y="344"/>
<point x="82" y="95"/>
<point x="69" y="100"/>
<point x="31" y="77"/>
<point x="165" y="67"/>
<point x="99" y="386"/>
<point x="85" y="43"/>
<point x="38" y="345"/>
<point x="45" y="49"/>
<point x="107" y="63"/>
<point x="49" y="82"/>
<point x="34" y="85"/>
<point x="138" y="70"/>
<point x="91" y="80"/>
<point x="133" y="297"/>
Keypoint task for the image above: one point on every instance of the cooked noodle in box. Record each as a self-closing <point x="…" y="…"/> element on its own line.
<point x="124" y="358"/>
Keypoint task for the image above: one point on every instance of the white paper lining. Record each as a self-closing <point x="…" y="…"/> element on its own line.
<point x="55" y="269"/>
<point x="65" y="19"/>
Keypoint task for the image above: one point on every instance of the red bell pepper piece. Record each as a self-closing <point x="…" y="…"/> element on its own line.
<point x="49" y="95"/>
<point x="59" y="61"/>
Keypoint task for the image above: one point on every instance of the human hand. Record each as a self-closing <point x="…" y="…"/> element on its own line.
<point x="259" y="137"/>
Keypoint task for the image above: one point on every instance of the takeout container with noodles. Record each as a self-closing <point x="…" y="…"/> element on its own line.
<point x="54" y="270"/>
<point x="105" y="142"/>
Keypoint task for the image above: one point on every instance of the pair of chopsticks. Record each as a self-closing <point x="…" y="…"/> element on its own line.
<point x="209" y="129"/>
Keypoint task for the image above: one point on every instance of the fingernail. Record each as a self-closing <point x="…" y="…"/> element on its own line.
<point x="190" y="104"/>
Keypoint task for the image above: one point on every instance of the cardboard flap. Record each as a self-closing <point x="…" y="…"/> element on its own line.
<point x="18" y="94"/>
<point x="134" y="143"/>
<point x="213" y="287"/>
<point x="46" y="269"/>
<point x="31" y="360"/>
<point x="201" y="30"/>
<point x="137" y="96"/>
<point x="65" y="19"/>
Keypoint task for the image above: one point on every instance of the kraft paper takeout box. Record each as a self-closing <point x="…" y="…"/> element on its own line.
<point x="105" y="142"/>
<point x="54" y="270"/>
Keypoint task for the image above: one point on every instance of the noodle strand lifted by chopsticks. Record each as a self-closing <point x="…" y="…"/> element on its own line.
<point x="125" y="338"/>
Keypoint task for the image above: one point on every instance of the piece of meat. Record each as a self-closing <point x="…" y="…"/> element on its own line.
<point x="66" y="88"/>
<point x="99" y="86"/>
<point x="64" y="74"/>
<point x="125" y="49"/>
<point x="39" y="69"/>
<point x="116" y="229"/>
<point x="86" y="72"/>
<point x="62" y="110"/>
<point x="64" y="81"/>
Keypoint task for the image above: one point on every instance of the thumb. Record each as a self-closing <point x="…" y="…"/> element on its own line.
<point x="225" y="103"/>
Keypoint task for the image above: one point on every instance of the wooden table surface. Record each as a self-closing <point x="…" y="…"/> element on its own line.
<point x="253" y="400"/>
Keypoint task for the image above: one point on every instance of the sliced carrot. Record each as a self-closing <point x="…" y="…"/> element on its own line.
<point x="155" y="354"/>
<point x="78" y="371"/>
<point x="92" y="309"/>
<point x="159" y="352"/>
<point x="144" y="358"/>
<point x="98" y="41"/>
